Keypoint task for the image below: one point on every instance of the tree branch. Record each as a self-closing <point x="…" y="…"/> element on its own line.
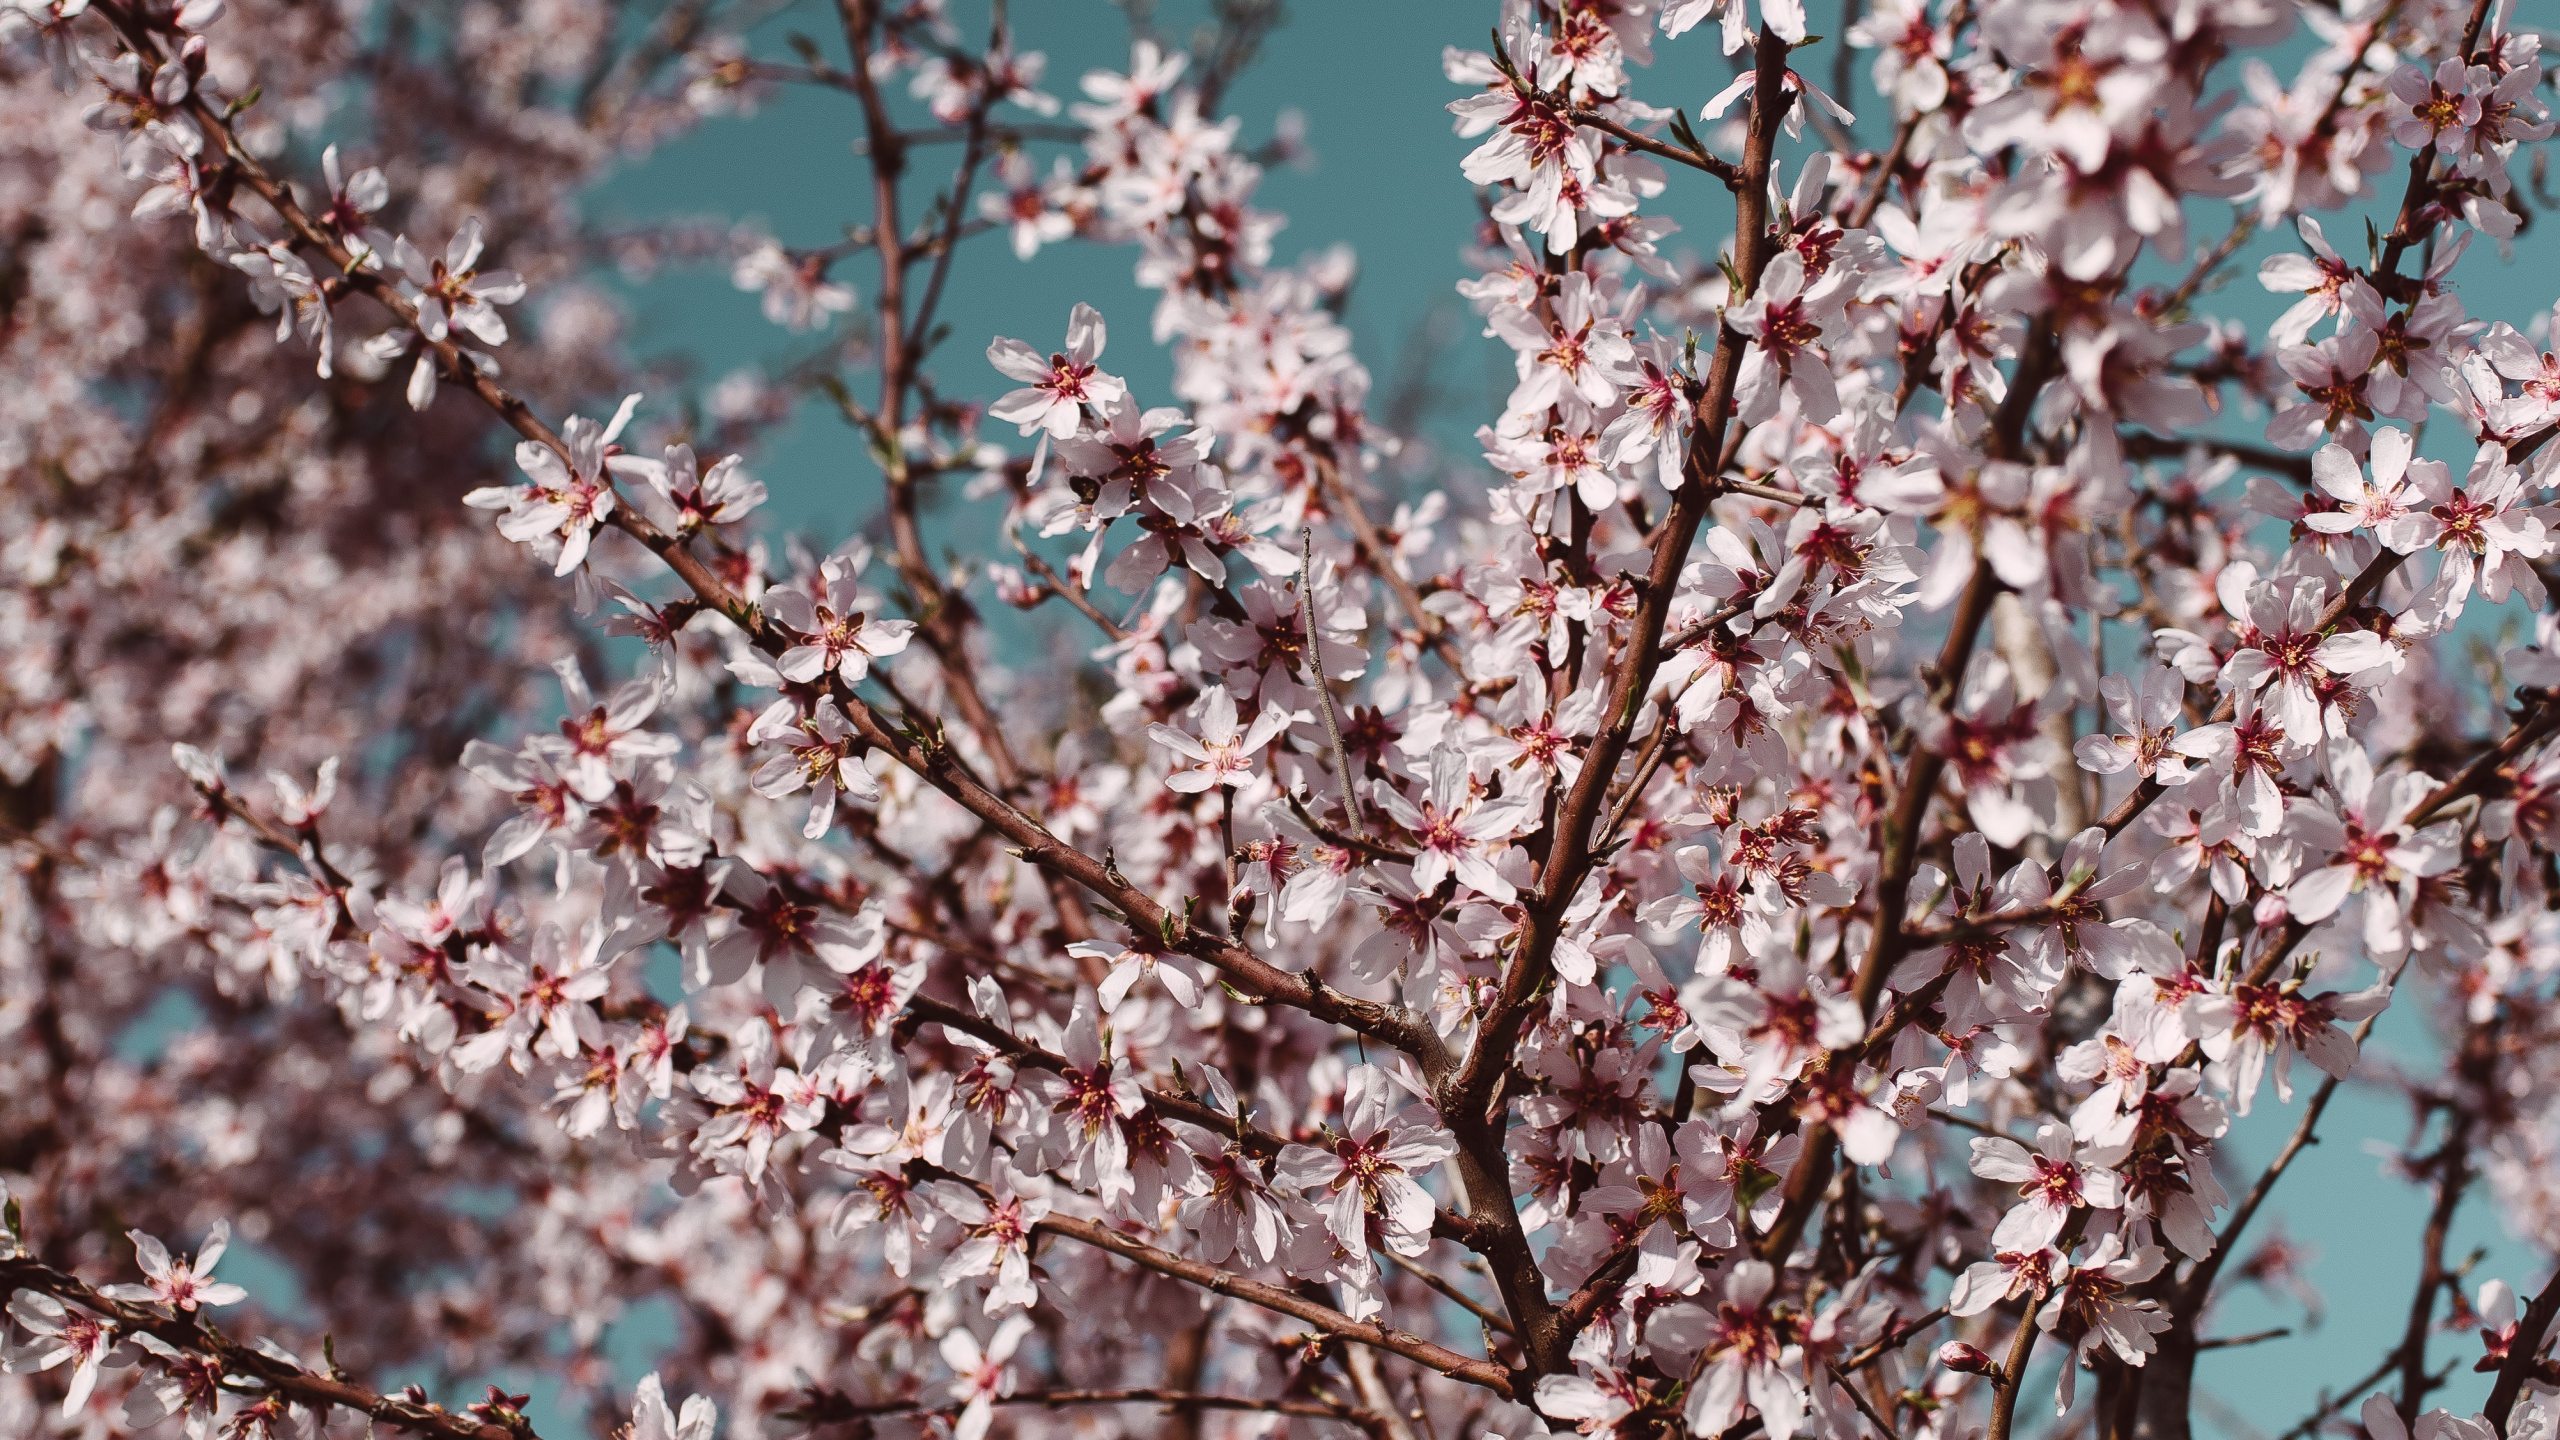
<point x="303" y="1387"/>
<point x="1465" y="1096"/>
<point x="1325" y="1319"/>
<point x="2521" y="1352"/>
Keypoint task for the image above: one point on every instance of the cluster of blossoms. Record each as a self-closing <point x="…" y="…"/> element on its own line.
<point x="1678" y="932"/>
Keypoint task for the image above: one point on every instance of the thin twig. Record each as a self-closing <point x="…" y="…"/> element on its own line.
<point x="1490" y="1374"/>
<point x="1893" y="1340"/>
<point x="1448" y="1290"/>
<point x="1722" y="169"/>
<point x="1865" y="1406"/>
<point x="1646" y="764"/>
<point x="838" y="1413"/>
<point x="251" y="1371"/>
<point x="1316" y="678"/>
<point x="1059" y="587"/>
<point x="2233" y="1342"/>
<point x="2199" y="1285"/>
<point x="1359" y="843"/>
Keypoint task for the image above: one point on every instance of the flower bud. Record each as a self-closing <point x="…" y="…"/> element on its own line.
<point x="1957" y="1355"/>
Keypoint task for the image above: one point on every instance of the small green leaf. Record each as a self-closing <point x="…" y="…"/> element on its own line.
<point x="1755" y="1183"/>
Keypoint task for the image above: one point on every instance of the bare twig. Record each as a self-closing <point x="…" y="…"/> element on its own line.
<point x="251" y="1371"/>
<point x="1316" y="680"/>
<point x="1722" y="169"/>
<point x="1327" y="1320"/>
<point x="1448" y="1290"/>
<point x="2233" y="1342"/>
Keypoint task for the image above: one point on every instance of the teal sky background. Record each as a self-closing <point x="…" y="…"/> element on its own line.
<point x="1365" y="74"/>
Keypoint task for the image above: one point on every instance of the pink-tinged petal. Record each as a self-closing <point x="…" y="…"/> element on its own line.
<point x="1479" y="875"/>
<point x="2353" y="652"/>
<point x="2289" y="274"/>
<point x="1178" y="742"/>
<point x="2247" y="669"/>
<point x="2334" y="469"/>
<point x="2316" y="896"/>
<point x="1997" y="1157"/>
<point x="1017" y="361"/>
<point x="2029" y="1225"/>
<point x="1086" y="334"/>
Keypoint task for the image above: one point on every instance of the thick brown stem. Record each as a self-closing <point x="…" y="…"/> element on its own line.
<point x="2013" y="1375"/>
<point x="2521" y="1352"/>
<point x="1464" y="1097"/>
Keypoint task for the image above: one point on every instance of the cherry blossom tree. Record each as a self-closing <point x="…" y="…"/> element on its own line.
<point x="1752" y="903"/>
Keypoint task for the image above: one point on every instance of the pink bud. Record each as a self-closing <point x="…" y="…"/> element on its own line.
<point x="1957" y="1355"/>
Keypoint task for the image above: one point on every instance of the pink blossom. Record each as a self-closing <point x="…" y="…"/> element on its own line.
<point x="1057" y="389"/>
<point x="182" y="1285"/>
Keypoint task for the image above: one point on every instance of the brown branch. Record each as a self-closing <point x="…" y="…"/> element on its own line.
<point x="2310" y="1424"/>
<point x="1865" y="1406"/>
<point x="2521" y="1350"/>
<point x="2241" y="229"/>
<point x="1903" y="132"/>
<point x="1770" y="493"/>
<point x="1358" y="843"/>
<point x="2013" y="1374"/>
<point x="1256" y="1142"/>
<point x="1448" y="1290"/>
<point x="1721" y="168"/>
<point x="1058" y="586"/>
<point x="942" y="617"/>
<point x="306" y="1388"/>
<point x="2233" y="1342"/>
<point x="1697" y="630"/>
<point x="2141" y="445"/>
<point x="2537" y="724"/>
<point x="1379" y="557"/>
<point x="2190" y="1300"/>
<point x="1646" y="764"/>
<point x="1489" y="1374"/>
<point x="1812" y="1173"/>
<point x="1600" y="1291"/>
<point x="1465" y="1097"/>
<point x="2452" y="1164"/>
<point x="835" y="1410"/>
<point x="1892" y="1340"/>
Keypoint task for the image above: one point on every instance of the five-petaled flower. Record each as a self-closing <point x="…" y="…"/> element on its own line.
<point x="182" y="1285"/>
<point x="1222" y="754"/>
<point x="1057" y="389"/>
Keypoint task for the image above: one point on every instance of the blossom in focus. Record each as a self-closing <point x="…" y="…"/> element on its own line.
<point x="566" y="499"/>
<point x="1056" y="389"/>
<point x="1222" y="753"/>
<point x="182" y="1285"/>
